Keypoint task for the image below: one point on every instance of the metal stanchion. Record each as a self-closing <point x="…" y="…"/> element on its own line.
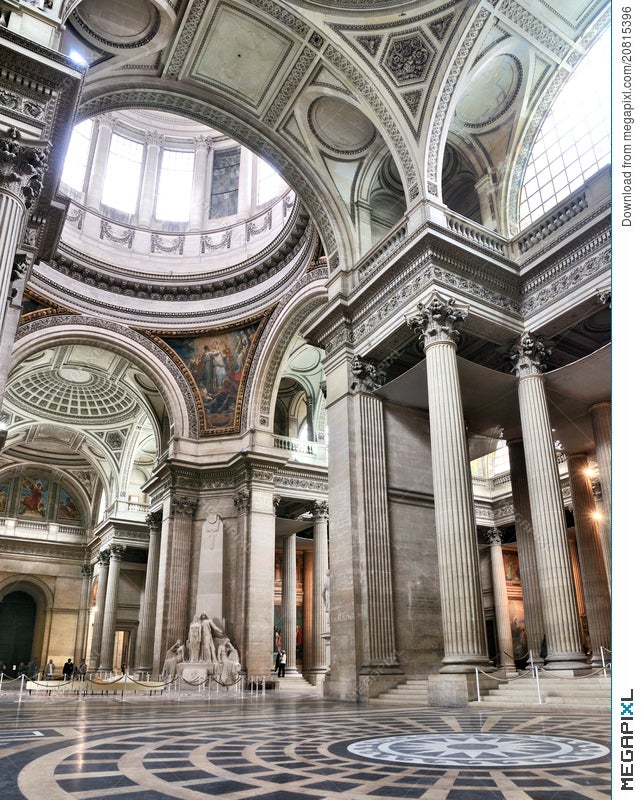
<point x="478" y="688"/>
<point x="538" y="685"/>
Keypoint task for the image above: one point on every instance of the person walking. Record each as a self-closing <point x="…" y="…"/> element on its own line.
<point x="51" y="670"/>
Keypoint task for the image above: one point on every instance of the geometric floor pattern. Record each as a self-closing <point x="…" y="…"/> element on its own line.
<point x="293" y="748"/>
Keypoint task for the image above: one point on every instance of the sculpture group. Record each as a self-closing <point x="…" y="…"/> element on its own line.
<point x="207" y="645"/>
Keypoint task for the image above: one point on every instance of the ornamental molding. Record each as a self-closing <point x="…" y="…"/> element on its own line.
<point x="22" y="166"/>
<point x="43" y="551"/>
<point x="349" y="71"/>
<point x="138" y="341"/>
<point x="528" y="355"/>
<point x="438" y="320"/>
<point x="301" y="482"/>
<point x="566" y="283"/>
<point x="213" y="117"/>
<point x="293" y="323"/>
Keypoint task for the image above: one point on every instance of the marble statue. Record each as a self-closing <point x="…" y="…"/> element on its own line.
<point x="174" y="656"/>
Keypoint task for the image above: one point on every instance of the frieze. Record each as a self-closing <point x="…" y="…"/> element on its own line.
<point x="301" y="482"/>
<point x="43" y="551"/>
<point x="567" y="283"/>
<point x="138" y="339"/>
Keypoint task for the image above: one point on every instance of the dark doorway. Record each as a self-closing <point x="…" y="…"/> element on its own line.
<point x="17" y="622"/>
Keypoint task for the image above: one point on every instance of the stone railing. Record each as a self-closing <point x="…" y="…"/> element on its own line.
<point x="302" y="450"/>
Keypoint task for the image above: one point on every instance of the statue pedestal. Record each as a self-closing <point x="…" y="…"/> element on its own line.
<point x="195" y="673"/>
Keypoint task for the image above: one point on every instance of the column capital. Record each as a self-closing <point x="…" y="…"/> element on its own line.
<point x="103" y="558"/>
<point x="154" y="520"/>
<point x="154" y="138"/>
<point x="183" y="506"/>
<point x="367" y="375"/>
<point x="493" y="536"/>
<point x="22" y="166"/>
<point x="116" y="552"/>
<point x="242" y="501"/>
<point x="527" y="355"/>
<point x="321" y="510"/>
<point x="86" y="571"/>
<point x="438" y="320"/>
<point x="106" y="120"/>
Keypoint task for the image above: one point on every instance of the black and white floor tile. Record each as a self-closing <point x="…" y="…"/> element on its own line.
<point x="295" y="748"/>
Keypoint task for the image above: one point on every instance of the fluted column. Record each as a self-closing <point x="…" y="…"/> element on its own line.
<point x="501" y="605"/>
<point x="176" y="621"/>
<point x="464" y="639"/>
<point x="238" y="545"/>
<point x="320" y="624"/>
<point x="145" y="645"/>
<point x="288" y="603"/>
<point x="593" y="575"/>
<point x="526" y="550"/>
<point x="111" y="608"/>
<point x="79" y="650"/>
<point x="602" y="429"/>
<point x="199" y="184"/>
<point x="99" y="161"/>
<point x="22" y="171"/>
<point x="560" y="614"/>
<point x="149" y="182"/>
<point x="99" y="612"/>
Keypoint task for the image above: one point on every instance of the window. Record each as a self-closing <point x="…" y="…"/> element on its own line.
<point x="173" y="200"/>
<point x="224" y="183"/>
<point x="75" y="167"/>
<point x="270" y="184"/>
<point x="122" y="180"/>
<point x="573" y="142"/>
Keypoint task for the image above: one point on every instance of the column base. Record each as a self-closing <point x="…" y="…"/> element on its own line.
<point x="567" y="661"/>
<point x="451" y="691"/>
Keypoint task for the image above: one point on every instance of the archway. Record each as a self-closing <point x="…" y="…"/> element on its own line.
<point x="17" y="626"/>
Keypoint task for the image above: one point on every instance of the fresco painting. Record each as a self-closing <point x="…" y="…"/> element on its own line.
<point x="67" y="509"/>
<point x="216" y="363"/>
<point x="517" y="623"/>
<point x="34" y="494"/>
<point x="511" y="565"/>
<point x="4" y="497"/>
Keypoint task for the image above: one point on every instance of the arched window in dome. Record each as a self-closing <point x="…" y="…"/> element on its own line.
<point x="75" y="166"/>
<point x="270" y="184"/>
<point x="122" y="179"/>
<point x="173" y="201"/>
<point x="573" y="142"/>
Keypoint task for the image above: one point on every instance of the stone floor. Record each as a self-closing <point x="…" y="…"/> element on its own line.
<point x="285" y="747"/>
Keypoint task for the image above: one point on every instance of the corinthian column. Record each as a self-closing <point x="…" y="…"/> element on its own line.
<point x="527" y="552"/>
<point x="560" y="613"/>
<point x="176" y="619"/>
<point x="22" y="169"/>
<point x="593" y="575"/>
<point x="464" y="640"/>
<point x="83" y="617"/>
<point x="320" y="617"/>
<point x="288" y="603"/>
<point x="602" y="429"/>
<point x="501" y="605"/>
<point x="111" y="608"/>
<point x="144" y="654"/>
<point x="99" y="613"/>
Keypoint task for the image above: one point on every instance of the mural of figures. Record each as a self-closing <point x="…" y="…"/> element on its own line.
<point x="34" y="493"/>
<point x="67" y="509"/>
<point x="4" y="497"/>
<point x="517" y="623"/>
<point x="511" y="564"/>
<point x="216" y="362"/>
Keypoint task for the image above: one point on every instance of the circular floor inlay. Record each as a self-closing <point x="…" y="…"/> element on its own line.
<point x="478" y="749"/>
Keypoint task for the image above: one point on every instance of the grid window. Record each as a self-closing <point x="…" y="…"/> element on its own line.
<point x="173" y="200"/>
<point x="224" y="184"/>
<point x="576" y="127"/>
<point x="122" y="181"/>
<point x="75" y="167"/>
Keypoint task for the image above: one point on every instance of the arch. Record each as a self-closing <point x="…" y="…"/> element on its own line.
<point x="294" y="309"/>
<point x="43" y="597"/>
<point x="135" y="347"/>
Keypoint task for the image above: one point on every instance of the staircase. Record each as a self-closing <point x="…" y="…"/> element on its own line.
<point x="410" y="693"/>
<point x="296" y="684"/>
<point x="587" y="695"/>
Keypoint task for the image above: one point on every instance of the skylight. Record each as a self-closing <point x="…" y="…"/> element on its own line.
<point x="573" y="142"/>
